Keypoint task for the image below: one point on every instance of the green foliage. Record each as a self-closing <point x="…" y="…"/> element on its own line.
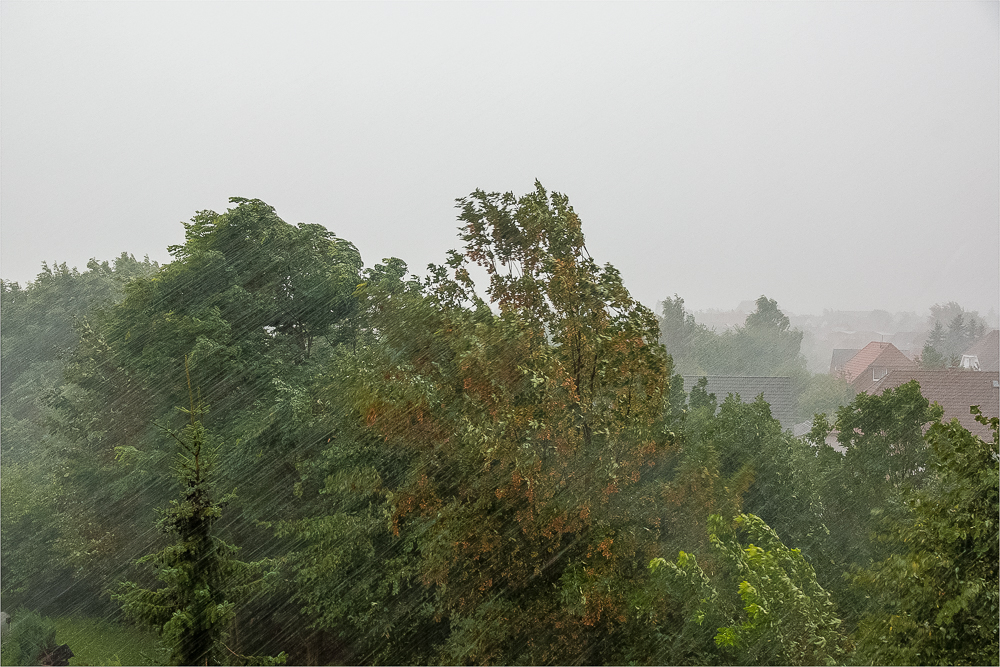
<point x="29" y="636"/>
<point x="39" y="319"/>
<point x="95" y="641"/>
<point x="765" y="345"/>
<point x="261" y="272"/>
<point x="42" y="323"/>
<point x="931" y="357"/>
<point x="675" y="616"/>
<point x="258" y="307"/>
<point x="737" y="458"/>
<point x="202" y="579"/>
<point x="861" y="490"/>
<point x="685" y="340"/>
<point x="883" y="434"/>
<point x="511" y="448"/>
<point x="431" y="474"/>
<point x="29" y="524"/>
<point x="782" y="468"/>
<point x="944" y="346"/>
<point x="761" y="604"/>
<point x="787" y="617"/>
<point x="352" y="577"/>
<point x="938" y="600"/>
<point x="823" y="394"/>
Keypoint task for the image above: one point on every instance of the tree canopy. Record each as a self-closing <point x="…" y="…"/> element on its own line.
<point x="423" y="469"/>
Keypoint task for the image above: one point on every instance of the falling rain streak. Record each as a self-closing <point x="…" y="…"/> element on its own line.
<point x="263" y="451"/>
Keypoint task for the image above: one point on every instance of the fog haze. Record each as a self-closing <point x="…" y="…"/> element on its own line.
<point x="828" y="155"/>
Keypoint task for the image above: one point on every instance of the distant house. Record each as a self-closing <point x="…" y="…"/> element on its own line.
<point x="777" y="392"/>
<point x="840" y="358"/>
<point x="984" y="354"/>
<point x="872" y="363"/>
<point x="955" y="390"/>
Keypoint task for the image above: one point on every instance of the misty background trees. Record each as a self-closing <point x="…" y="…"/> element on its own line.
<point x="953" y="331"/>
<point x="439" y="471"/>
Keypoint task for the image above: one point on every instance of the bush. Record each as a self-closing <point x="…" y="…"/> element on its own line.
<point x="29" y="635"/>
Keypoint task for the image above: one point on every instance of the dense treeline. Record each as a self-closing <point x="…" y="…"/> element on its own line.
<point x="404" y="470"/>
<point x="945" y="344"/>
<point x="766" y="345"/>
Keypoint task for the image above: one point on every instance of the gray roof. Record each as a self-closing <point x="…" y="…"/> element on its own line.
<point x="777" y="392"/>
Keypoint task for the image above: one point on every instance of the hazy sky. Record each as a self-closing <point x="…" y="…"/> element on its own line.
<point x="841" y="155"/>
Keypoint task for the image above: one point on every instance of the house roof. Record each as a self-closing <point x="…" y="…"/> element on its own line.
<point x="841" y="357"/>
<point x="955" y="390"/>
<point x="777" y="392"/>
<point x="987" y="349"/>
<point x="878" y="356"/>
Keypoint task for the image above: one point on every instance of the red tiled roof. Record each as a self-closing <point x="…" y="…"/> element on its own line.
<point x="881" y="357"/>
<point x="955" y="390"/>
<point x="857" y="364"/>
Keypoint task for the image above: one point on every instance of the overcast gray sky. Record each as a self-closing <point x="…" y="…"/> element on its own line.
<point x="841" y="155"/>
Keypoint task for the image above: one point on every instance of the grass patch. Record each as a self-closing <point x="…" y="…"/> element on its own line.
<point x="95" y="641"/>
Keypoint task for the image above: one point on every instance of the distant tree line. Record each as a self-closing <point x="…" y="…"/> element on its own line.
<point x="371" y="467"/>
<point x="765" y="345"/>
<point x="946" y="342"/>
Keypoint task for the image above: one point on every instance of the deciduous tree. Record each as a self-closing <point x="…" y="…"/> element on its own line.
<point x="938" y="600"/>
<point x="531" y="434"/>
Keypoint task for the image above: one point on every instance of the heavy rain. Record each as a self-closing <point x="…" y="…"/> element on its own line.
<point x="503" y="333"/>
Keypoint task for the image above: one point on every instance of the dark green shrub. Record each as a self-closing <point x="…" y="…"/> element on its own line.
<point x="30" y="633"/>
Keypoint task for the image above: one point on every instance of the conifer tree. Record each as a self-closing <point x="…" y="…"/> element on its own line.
<point x="201" y="576"/>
